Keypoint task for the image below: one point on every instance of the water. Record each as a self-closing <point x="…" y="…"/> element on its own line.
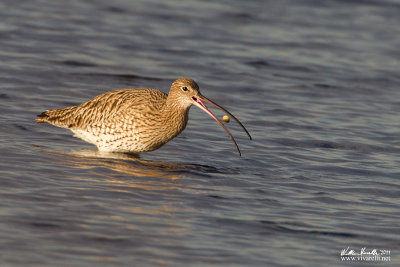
<point x="315" y="82"/>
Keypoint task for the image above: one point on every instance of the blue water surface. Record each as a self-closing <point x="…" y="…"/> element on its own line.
<point x="315" y="82"/>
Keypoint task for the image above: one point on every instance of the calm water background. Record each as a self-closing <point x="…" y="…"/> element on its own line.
<point x="315" y="82"/>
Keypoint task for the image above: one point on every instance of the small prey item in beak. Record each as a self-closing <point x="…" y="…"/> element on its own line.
<point x="197" y="100"/>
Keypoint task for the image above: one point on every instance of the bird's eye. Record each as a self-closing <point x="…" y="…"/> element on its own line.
<point x="184" y="88"/>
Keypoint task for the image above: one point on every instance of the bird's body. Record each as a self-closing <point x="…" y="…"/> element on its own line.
<point x="130" y="120"/>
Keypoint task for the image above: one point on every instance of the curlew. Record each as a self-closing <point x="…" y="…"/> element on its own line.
<point x="134" y="120"/>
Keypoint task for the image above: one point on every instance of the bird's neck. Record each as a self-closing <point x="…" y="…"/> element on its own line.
<point x="175" y="117"/>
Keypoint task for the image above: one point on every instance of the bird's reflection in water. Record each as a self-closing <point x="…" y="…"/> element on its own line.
<point x="121" y="169"/>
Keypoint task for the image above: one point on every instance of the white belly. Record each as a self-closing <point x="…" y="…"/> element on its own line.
<point x="111" y="142"/>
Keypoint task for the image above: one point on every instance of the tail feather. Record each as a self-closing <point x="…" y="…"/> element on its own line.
<point x="42" y="117"/>
<point x="58" y="117"/>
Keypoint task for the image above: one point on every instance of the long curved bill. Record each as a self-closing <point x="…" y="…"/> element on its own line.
<point x="227" y="112"/>
<point x="199" y="103"/>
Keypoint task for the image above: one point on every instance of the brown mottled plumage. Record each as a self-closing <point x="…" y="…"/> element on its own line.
<point x="133" y="120"/>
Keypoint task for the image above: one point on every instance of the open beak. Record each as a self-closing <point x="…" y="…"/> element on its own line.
<point x="198" y="101"/>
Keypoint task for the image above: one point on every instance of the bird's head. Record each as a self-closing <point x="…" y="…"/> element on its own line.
<point x="185" y="92"/>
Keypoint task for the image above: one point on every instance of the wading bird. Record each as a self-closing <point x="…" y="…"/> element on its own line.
<point x="134" y="120"/>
